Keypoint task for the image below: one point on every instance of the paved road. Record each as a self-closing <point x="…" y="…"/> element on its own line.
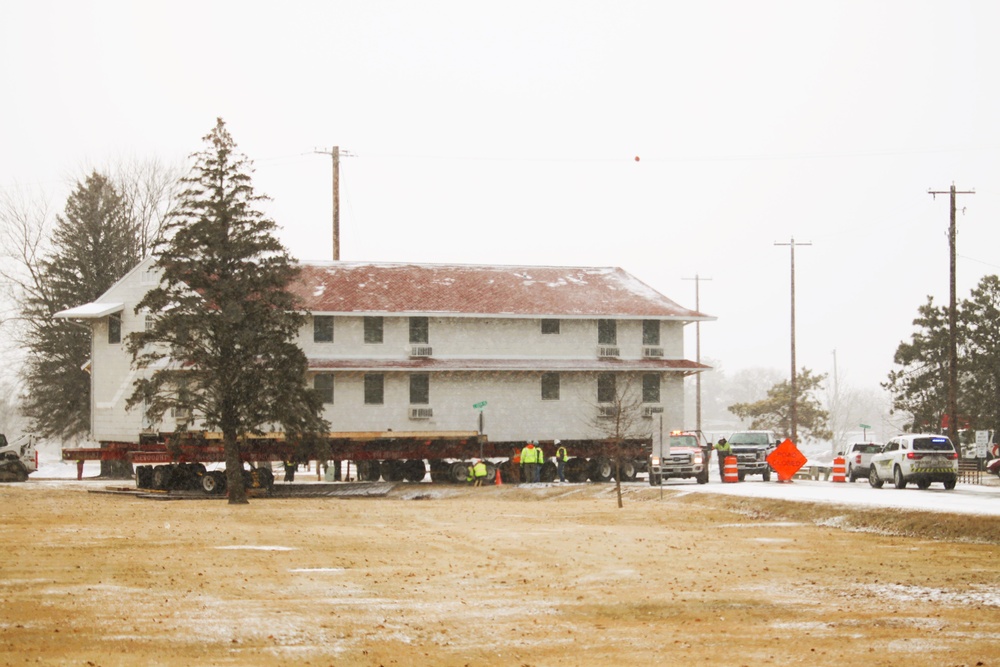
<point x="964" y="499"/>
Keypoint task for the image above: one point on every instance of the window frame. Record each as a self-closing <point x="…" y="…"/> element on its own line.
<point x="551" y="326"/>
<point x="606" y="388"/>
<point x="374" y="384"/>
<point x="320" y="327"/>
<point x="550" y="385"/>
<point x="651" y="394"/>
<point x="607" y="332"/>
<point x="420" y="395"/>
<point x="374" y="329"/>
<point x="420" y="330"/>
<point x="651" y="335"/>
<point x="325" y="393"/>
<point x="114" y="329"/>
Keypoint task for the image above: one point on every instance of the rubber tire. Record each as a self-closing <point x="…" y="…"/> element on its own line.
<point x="162" y="476"/>
<point x="656" y="480"/>
<point x="266" y="476"/>
<point x="601" y="470"/>
<point x="851" y="476"/>
<point x="766" y="475"/>
<point x="210" y="484"/>
<point x="703" y="477"/>
<point x="369" y="471"/>
<point x="873" y="478"/>
<point x="393" y="470"/>
<point x="460" y="472"/>
<point x="628" y="471"/>
<point x="577" y="470"/>
<point x="548" y="473"/>
<point x="440" y="471"/>
<point x="950" y="484"/>
<point x="740" y="475"/>
<point x="897" y="478"/>
<point x="414" y="470"/>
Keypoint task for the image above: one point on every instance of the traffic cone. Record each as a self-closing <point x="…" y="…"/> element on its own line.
<point x="498" y="482"/>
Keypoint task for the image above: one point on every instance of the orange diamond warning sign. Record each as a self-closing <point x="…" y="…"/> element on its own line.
<point x="786" y="460"/>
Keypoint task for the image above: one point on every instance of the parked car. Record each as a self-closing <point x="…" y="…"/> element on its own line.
<point x="857" y="458"/>
<point x="919" y="458"/>
<point x="993" y="467"/>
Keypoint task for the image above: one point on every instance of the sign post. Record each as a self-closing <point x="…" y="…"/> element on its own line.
<point x="864" y="431"/>
<point x="479" y="406"/>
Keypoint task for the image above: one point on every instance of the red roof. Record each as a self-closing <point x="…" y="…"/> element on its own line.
<point x="456" y="289"/>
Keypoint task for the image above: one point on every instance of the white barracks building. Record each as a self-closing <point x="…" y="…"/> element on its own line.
<point x="425" y="347"/>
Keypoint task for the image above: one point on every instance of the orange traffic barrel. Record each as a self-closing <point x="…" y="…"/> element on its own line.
<point x="730" y="471"/>
<point x="839" y="470"/>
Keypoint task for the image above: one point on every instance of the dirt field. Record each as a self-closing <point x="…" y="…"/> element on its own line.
<point x="491" y="576"/>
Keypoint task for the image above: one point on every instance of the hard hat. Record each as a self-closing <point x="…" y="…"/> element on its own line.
<point x="556" y="442"/>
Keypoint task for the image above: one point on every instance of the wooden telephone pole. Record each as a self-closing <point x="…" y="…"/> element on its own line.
<point x="792" y="414"/>
<point x="697" y="346"/>
<point x="952" y="319"/>
<point x="335" y="154"/>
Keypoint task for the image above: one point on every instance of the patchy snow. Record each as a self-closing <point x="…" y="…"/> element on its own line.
<point x="964" y="499"/>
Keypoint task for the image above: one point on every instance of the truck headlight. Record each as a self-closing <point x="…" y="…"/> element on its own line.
<point x="655" y="460"/>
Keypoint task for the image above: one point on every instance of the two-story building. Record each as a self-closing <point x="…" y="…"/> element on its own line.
<point x="539" y="350"/>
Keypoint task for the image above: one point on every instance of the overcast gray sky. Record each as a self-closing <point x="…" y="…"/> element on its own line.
<point x="507" y="132"/>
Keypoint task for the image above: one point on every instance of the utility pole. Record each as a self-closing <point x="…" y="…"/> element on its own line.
<point x="335" y="154"/>
<point x="795" y="394"/>
<point x="697" y="346"/>
<point x="952" y="318"/>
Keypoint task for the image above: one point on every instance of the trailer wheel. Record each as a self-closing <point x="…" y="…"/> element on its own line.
<point x="393" y="470"/>
<point x="548" y="473"/>
<point x="491" y="474"/>
<point x="414" y="470"/>
<point x="369" y="471"/>
<point x="144" y="477"/>
<point x="577" y="470"/>
<point x="460" y="472"/>
<point x="210" y="483"/>
<point x="627" y="469"/>
<point x="440" y="471"/>
<point x="161" y="477"/>
<point x="601" y="470"/>
<point x="266" y="476"/>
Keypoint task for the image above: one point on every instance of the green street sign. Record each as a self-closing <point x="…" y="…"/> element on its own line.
<point x="863" y="426"/>
<point x="480" y="405"/>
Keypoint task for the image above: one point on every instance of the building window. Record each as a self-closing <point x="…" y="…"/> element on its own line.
<point x="550" y="386"/>
<point x="651" y="388"/>
<point x="419" y="330"/>
<point x="323" y="384"/>
<point x="550" y="326"/>
<point x="114" y="329"/>
<point x="607" y="332"/>
<point x="606" y="388"/>
<point x="374" y="389"/>
<point x="148" y="321"/>
<point x="322" y="328"/>
<point x="373" y="329"/>
<point x="420" y="389"/>
<point x="651" y="332"/>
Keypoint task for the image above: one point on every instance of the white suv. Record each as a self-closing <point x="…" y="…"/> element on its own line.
<point x="858" y="457"/>
<point x="919" y="458"/>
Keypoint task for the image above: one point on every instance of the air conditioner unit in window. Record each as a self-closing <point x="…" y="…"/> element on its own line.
<point x="607" y="411"/>
<point x="608" y="351"/>
<point x="421" y="413"/>
<point x="421" y="350"/>
<point x="652" y="352"/>
<point x="650" y="410"/>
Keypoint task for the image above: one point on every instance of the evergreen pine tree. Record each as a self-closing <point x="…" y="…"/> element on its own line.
<point x="221" y="343"/>
<point x="93" y="245"/>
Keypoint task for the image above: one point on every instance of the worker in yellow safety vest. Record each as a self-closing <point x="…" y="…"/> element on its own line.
<point x="479" y="471"/>
<point x="528" y="462"/>
<point x="561" y="458"/>
<point x="724" y="449"/>
<point x="539" y="462"/>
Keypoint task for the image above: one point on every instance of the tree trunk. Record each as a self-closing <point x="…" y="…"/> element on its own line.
<point x="234" y="469"/>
